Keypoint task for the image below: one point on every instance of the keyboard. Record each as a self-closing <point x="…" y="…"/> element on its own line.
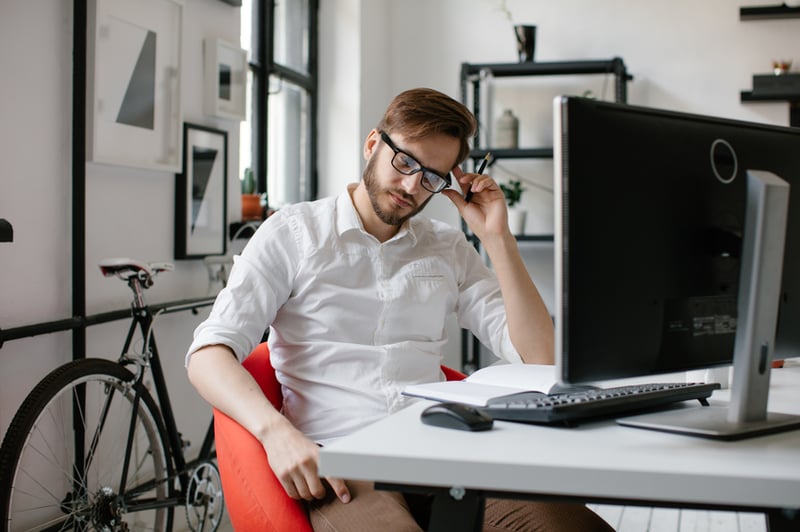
<point x="583" y="404"/>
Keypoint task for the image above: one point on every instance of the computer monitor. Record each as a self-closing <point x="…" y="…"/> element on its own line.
<point x="650" y="226"/>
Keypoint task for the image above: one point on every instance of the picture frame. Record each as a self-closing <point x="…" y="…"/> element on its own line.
<point x="225" y="73"/>
<point x="134" y="83"/>
<point x="201" y="193"/>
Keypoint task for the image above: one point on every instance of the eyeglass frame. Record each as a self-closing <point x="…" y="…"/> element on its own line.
<point x="446" y="178"/>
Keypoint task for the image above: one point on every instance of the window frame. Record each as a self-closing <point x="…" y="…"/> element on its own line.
<point x="262" y="66"/>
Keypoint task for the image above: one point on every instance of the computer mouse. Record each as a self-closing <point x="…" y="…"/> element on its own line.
<point x="456" y="416"/>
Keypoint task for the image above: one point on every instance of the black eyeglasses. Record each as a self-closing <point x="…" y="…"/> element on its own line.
<point x="405" y="164"/>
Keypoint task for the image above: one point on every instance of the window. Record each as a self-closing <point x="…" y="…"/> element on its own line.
<point x="279" y="139"/>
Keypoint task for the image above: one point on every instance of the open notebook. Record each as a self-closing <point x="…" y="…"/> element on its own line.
<point x="489" y="384"/>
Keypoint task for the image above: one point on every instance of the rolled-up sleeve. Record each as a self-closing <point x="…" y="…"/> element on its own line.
<point x="259" y="283"/>
<point x="480" y="305"/>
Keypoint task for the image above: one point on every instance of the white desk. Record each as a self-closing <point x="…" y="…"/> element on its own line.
<point x="598" y="461"/>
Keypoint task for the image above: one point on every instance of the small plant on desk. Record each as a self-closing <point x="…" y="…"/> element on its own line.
<point x="251" y="201"/>
<point x="513" y="192"/>
<point x="516" y="216"/>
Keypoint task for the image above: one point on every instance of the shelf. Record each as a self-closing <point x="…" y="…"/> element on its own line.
<point x="505" y="153"/>
<point x="768" y="12"/>
<point x="535" y="238"/>
<point x="792" y="98"/>
<point x="548" y="68"/>
<point x="749" y="96"/>
<point x="519" y="238"/>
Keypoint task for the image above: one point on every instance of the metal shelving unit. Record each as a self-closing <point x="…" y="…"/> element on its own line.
<point x="472" y="74"/>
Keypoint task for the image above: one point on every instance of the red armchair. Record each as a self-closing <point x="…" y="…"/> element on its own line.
<point x="253" y="495"/>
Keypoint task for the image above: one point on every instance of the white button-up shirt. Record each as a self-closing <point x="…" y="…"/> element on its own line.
<point x="352" y="320"/>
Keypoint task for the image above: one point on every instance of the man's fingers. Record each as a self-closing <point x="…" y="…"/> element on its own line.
<point x="483" y="182"/>
<point x="317" y="488"/>
<point x="299" y="488"/>
<point x="303" y="483"/>
<point x="288" y="487"/>
<point x="340" y="488"/>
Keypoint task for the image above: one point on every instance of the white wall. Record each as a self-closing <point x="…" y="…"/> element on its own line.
<point x="339" y="94"/>
<point x="34" y="184"/>
<point x="686" y="55"/>
<point x="129" y="213"/>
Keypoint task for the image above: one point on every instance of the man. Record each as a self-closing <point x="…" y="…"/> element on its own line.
<point x="356" y="291"/>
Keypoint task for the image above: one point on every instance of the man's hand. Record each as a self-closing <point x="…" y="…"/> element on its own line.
<point x="486" y="213"/>
<point x="294" y="459"/>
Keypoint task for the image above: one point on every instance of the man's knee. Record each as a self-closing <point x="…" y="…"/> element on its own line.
<point x="515" y="515"/>
<point x="368" y="510"/>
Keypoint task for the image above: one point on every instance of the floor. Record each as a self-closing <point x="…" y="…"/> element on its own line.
<point x="641" y="519"/>
<point x="181" y="526"/>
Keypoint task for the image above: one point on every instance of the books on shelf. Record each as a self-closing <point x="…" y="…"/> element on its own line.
<point x="490" y="384"/>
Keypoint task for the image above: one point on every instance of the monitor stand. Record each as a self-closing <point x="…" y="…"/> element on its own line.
<point x="759" y="294"/>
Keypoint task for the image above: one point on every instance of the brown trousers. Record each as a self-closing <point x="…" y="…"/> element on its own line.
<point x="372" y="510"/>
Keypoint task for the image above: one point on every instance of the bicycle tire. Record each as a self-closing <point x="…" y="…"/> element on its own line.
<point x="40" y="486"/>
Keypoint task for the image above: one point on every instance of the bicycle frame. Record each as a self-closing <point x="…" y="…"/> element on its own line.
<point x="142" y="320"/>
<point x="108" y="397"/>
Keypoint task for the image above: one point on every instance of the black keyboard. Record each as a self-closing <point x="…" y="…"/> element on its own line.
<point x="583" y="404"/>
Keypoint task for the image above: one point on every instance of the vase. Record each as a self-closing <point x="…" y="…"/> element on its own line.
<point x="506" y="133"/>
<point x="526" y="42"/>
<point x="516" y="220"/>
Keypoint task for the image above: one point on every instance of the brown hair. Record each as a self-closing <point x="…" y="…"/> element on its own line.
<point x="418" y="113"/>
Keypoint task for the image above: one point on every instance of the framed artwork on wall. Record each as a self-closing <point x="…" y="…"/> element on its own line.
<point x="134" y="83"/>
<point x="225" y="79"/>
<point x="201" y="193"/>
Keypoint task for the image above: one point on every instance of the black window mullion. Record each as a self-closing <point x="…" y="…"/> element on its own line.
<point x="262" y="67"/>
<point x="306" y="81"/>
<point x="313" y="69"/>
<point x="259" y="66"/>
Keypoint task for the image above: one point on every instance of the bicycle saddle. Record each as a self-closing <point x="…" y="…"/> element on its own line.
<point x="124" y="268"/>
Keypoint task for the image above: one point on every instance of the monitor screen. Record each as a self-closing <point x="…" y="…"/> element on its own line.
<point x="650" y="219"/>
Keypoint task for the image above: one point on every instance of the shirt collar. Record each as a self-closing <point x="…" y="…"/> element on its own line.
<point x="347" y="218"/>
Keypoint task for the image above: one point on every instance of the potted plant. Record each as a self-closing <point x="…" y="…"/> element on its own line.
<point x="516" y="216"/>
<point x="251" y="202"/>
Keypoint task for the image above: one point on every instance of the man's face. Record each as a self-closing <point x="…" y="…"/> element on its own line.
<point x="396" y="197"/>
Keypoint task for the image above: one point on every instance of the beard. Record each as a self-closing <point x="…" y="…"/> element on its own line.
<point x="390" y="214"/>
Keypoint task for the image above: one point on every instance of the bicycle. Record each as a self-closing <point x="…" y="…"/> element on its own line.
<point x="91" y="449"/>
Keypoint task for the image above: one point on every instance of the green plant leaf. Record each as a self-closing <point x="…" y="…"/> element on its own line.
<point x="512" y="191"/>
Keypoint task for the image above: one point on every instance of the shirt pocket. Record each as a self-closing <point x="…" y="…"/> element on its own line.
<point x="426" y="296"/>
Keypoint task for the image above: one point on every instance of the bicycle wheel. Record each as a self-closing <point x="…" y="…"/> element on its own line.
<point x="62" y="459"/>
